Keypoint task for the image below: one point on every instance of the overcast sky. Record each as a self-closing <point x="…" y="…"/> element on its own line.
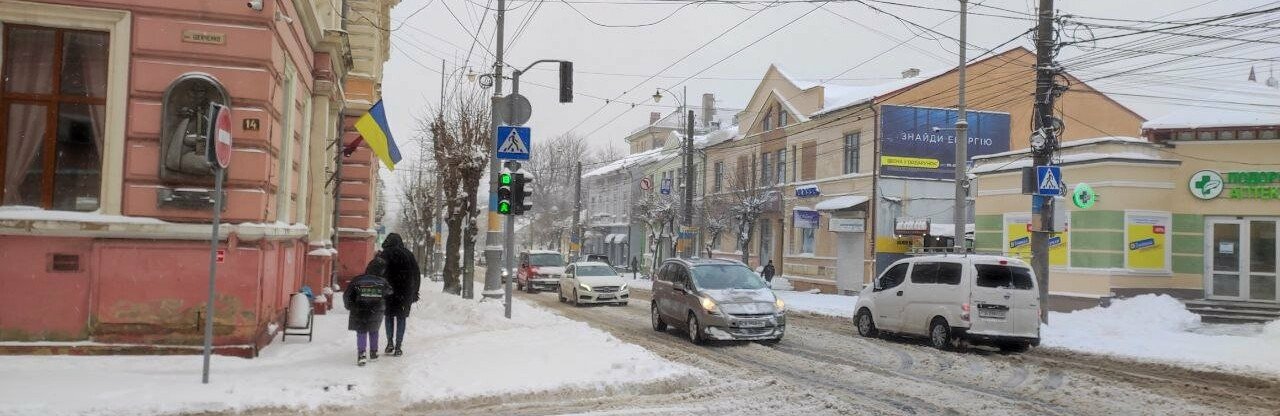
<point x="810" y="42"/>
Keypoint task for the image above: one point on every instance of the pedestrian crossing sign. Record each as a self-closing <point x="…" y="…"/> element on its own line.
<point x="513" y="142"/>
<point x="1049" y="180"/>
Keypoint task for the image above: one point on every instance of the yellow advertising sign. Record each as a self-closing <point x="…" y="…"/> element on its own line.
<point x="1147" y="241"/>
<point x="1017" y="231"/>
<point x="910" y="162"/>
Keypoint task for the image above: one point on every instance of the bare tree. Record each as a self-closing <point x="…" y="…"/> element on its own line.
<point x="418" y="204"/>
<point x="554" y="173"/>
<point x="461" y="145"/>
<point x="658" y="213"/>
<point x="747" y="202"/>
<point x="717" y="216"/>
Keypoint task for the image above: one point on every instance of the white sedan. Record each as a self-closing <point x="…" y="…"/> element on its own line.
<point x="593" y="282"/>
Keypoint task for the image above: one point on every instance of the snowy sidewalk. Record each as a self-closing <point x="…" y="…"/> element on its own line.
<point x="456" y="349"/>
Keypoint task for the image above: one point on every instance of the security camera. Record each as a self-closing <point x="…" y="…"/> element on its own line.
<point x="255" y="5"/>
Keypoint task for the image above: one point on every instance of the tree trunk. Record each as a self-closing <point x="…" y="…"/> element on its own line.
<point x="745" y="243"/>
<point x="451" y="246"/>
<point x="469" y="241"/>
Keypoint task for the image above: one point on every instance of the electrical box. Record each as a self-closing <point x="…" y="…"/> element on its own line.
<point x="1061" y="216"/>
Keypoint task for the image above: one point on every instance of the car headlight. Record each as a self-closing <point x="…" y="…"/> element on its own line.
<point x="624" y="287"/>
<point x="584" y="287"/>
<point x="708" y="304"/>
<point x="779" y="305"/>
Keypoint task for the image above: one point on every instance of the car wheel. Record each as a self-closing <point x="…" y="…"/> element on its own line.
<point x="656" y="319"/>
<point x="622" y="304"/>
<point x="866" y="325"/>
<point x="695" y="330"/>
<point x="940" y="334"/>
<point x="1014" y="346"/>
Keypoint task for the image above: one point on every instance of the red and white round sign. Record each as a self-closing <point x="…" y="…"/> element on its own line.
<point x="646" y="184"/>
<point x="221" y="135"/>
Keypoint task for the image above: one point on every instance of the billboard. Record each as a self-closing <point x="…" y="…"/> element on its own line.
<point x="1147" y="240"/>
<point x="911" y="148"/>
<point x="1017" y="240"/>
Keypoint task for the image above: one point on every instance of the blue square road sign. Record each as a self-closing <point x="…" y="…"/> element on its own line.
<point x="513" y="143"/>
<point x="1049" y="180"/>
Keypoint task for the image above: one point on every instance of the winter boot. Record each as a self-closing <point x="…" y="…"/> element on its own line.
<point x="373" y="356"/>
<point x="390" y="347"/>
<point x="398" y="352"/>
<point x="361" y="361"/>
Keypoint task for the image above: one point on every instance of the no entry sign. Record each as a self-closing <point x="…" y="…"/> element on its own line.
<point x="219" y="135"/>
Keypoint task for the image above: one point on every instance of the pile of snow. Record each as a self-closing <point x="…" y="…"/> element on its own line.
<point x="641" y="282"/>
<point x="1159" y="328"/>
<point x="781" y="283"/>
<point x="455" y="349"/>
<point x="817" y="303"/>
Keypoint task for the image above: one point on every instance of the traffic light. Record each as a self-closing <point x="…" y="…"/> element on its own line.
<point x="566" y="81"/>
<point x="505" y="180"/>
<point x="520" y="193"/>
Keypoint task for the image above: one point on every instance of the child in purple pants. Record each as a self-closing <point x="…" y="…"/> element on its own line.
<point x="366" y="299"/>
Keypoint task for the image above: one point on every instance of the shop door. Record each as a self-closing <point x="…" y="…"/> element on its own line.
<point x="1242" y="259"/>
<point x="849" y="262"/>
<point x="766" y="242"/>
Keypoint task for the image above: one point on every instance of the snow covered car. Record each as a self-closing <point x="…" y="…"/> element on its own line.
<point x="948" y="298"/>
<point x="539" y="270"/>
<point x="716" y="300"/>
<point x="593" y="282"/>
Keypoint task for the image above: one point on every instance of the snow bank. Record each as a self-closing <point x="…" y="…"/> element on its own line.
<point x="1159" y="328"/>
<point x="816" y="303"/>
<point x="455" y="349"/>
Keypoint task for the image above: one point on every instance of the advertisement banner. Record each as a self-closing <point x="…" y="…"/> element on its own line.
<point x="1146" y="241"/>
<point x="1017" y="240"/>
<point x="912" y="148"/>
<point x="805" y="219"/>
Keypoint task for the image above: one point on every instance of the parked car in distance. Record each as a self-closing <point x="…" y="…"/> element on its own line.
<point x="716" y="300"/>
<point x="593" y="282"/>
<point x="539" y="270"/>
<point x="593" y="257"/>
<point x="950" y="298"/>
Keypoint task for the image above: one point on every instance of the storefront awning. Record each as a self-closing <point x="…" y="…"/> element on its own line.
<point x="616" y="238"/>
<point x="841" y="202"/>
<point x="948" y="230"/>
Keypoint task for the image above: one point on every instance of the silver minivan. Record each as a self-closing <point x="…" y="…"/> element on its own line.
<point x="716" y="300"/>
<point x="952" y="298"/>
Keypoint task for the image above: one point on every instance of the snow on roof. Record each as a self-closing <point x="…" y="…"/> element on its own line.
<point x="630" y="160"/>
<point x="838" y="97"/>
<point x="1238" y="105"/>
<point x="1067" y="145"/>
<point x="1068" y="158"/>
<point x="804" y="85"/>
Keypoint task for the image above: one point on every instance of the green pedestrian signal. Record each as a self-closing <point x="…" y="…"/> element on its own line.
<point x="504" y="191"/>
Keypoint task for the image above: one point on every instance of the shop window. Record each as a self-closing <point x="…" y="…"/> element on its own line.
<point x="1267" y="135"/>
<point x="1227" y="135"/>
<point x="1247" y="135"/>
<point x="1205" y="135"/>
<point x="1186" y="135"/>
<point x="52" y="107"/>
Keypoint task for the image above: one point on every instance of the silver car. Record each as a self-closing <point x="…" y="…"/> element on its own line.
<point x="716" y="300"/>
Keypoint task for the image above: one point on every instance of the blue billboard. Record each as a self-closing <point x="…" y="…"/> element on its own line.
<point x="910" y="147"/>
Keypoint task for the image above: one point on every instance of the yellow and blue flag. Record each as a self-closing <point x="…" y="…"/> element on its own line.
<point x="373" y="128"/>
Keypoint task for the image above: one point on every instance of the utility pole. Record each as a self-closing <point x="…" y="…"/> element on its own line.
<point x="962" y="141"/>
<point x="492" y="239"/>
<point x="577" y="212"/>
<point x="688" y="169"/>
<point x="1042" y="206"/>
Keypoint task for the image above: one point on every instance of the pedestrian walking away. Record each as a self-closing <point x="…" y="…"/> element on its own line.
<point x="768" y="272"/>
<point x="405" y="277"/>
<point x="366" y="299"/>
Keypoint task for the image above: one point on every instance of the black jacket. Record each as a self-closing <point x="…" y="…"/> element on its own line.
<point x="402" y="273"/>
<point x="767" y="272"/>
<point x="366" y="316"/>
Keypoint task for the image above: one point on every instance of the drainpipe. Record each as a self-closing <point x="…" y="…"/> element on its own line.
<point x="875" y="189"/>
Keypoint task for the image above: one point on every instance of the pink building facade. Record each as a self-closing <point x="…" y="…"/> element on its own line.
<point x="106" y="201"/>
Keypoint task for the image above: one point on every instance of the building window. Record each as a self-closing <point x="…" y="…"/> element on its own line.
<point x="782" y="117"/>
<point x="1227" y="135"/>
<point x="795" y="167"/>
<point x="768" y="121"/>
<point x="806" y="240"/>
<point x="782" y="166"/>
<point x="809" y="156"/>
<point x="1267" y="135"/>
<point x="1186" y="135"/>
<point x="766" y="169"/>
<point x="1205" y="135"/>
<point x="718" y="171"/>
<point x="851" y="145"/>
<point x="1247" y="135"/>
<point x="52" y="107"/>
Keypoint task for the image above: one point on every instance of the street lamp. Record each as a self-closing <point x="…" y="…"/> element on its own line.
<point x="688" y="153"/>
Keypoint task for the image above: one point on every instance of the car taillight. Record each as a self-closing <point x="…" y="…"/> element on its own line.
<point x="964" y="311"/>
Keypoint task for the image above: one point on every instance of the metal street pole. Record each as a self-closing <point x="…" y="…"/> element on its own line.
<point x="577" y="212"/>
<point x="213" y="270"/>
<point x="509" y="260"/>
<point x="1042" y="206"/>
<point x="961" y="217"/>
<point x="492" y="251"/>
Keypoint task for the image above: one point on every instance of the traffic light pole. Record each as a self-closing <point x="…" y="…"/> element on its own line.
<point x="508" y="263"/>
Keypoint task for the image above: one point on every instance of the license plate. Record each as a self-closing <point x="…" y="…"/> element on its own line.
<point x="751" y="324"/>
<point x="991" y="313"/>
<point x="604" y="297"/>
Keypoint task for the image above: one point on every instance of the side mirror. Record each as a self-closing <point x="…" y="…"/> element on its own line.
<point x="679" y="287"/>
<point x="877" y="286"/>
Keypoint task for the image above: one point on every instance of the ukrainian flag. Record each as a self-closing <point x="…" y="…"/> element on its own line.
<point x="373" y="128"/>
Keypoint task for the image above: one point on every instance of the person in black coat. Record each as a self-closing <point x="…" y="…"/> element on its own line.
<point x="768" y="272"/>
<point x="366" y="298"/>
<point x="404" y="276"/>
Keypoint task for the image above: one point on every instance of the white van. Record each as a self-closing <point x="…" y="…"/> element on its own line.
<point x="949" y="298"/>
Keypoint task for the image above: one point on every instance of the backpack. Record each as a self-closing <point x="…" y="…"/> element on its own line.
<point x="370" y="294"/>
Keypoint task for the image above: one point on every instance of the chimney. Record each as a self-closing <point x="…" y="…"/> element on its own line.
<point x="654" y="116"/>
<point x="911" y="73"/>
<point x="1252" y="76"/>
<point x="708" y="109"/>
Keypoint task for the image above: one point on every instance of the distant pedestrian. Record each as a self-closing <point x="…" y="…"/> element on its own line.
<point x="366" y="299"/>
<point x="768" y="272"/>
<point x="404" y="276"/>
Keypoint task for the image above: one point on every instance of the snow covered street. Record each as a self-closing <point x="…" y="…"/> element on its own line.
<point x="455" y="350"/>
